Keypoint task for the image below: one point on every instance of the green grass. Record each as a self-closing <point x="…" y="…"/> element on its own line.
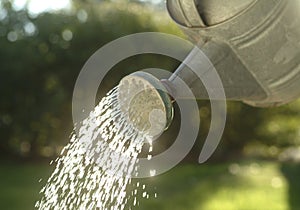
<point x="249" y="186"/>
<point x="20" y="186"/>
<point x="246" y="185"/>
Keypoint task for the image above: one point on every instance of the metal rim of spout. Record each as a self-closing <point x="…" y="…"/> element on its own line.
<point x="146" y="103"/>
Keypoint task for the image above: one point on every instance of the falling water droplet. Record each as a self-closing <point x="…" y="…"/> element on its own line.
<point x="95" y="167"/>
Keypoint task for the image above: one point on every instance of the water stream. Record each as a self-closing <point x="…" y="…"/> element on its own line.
<point x="95" y="168"/>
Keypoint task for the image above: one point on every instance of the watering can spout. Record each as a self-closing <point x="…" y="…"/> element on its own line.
<point x="237" y="82"/>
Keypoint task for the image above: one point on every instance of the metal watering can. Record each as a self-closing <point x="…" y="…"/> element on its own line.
<point x="253" y="44"/>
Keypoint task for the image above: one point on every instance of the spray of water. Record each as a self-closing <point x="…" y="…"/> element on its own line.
<point x="95" y="168"/>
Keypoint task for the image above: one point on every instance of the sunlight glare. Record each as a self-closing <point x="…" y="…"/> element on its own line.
<point x="38" y="6"/>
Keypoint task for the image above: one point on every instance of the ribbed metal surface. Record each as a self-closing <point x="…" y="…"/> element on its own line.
<point x="262" y="42"/>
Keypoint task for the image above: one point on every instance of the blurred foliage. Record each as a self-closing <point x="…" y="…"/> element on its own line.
<point x="40" y="60"/>
<point x="42" y="55"/>
<point x="264" y="132"/>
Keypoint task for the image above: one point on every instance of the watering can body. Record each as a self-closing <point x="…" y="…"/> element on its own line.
<point x="253" y="44"/>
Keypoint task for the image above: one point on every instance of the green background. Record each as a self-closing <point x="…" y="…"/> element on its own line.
<point x="256" y="166"/>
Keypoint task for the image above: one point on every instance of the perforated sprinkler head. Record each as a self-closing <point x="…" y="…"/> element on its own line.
<point x="145" y="102"/>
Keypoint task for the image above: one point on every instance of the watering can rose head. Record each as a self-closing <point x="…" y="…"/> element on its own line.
<point x="145" y="103"/>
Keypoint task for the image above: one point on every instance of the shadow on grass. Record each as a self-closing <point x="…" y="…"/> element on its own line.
<point x="291" y="171"/>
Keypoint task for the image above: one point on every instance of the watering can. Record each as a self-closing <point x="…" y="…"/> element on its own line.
<point x="254" y="46"/>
